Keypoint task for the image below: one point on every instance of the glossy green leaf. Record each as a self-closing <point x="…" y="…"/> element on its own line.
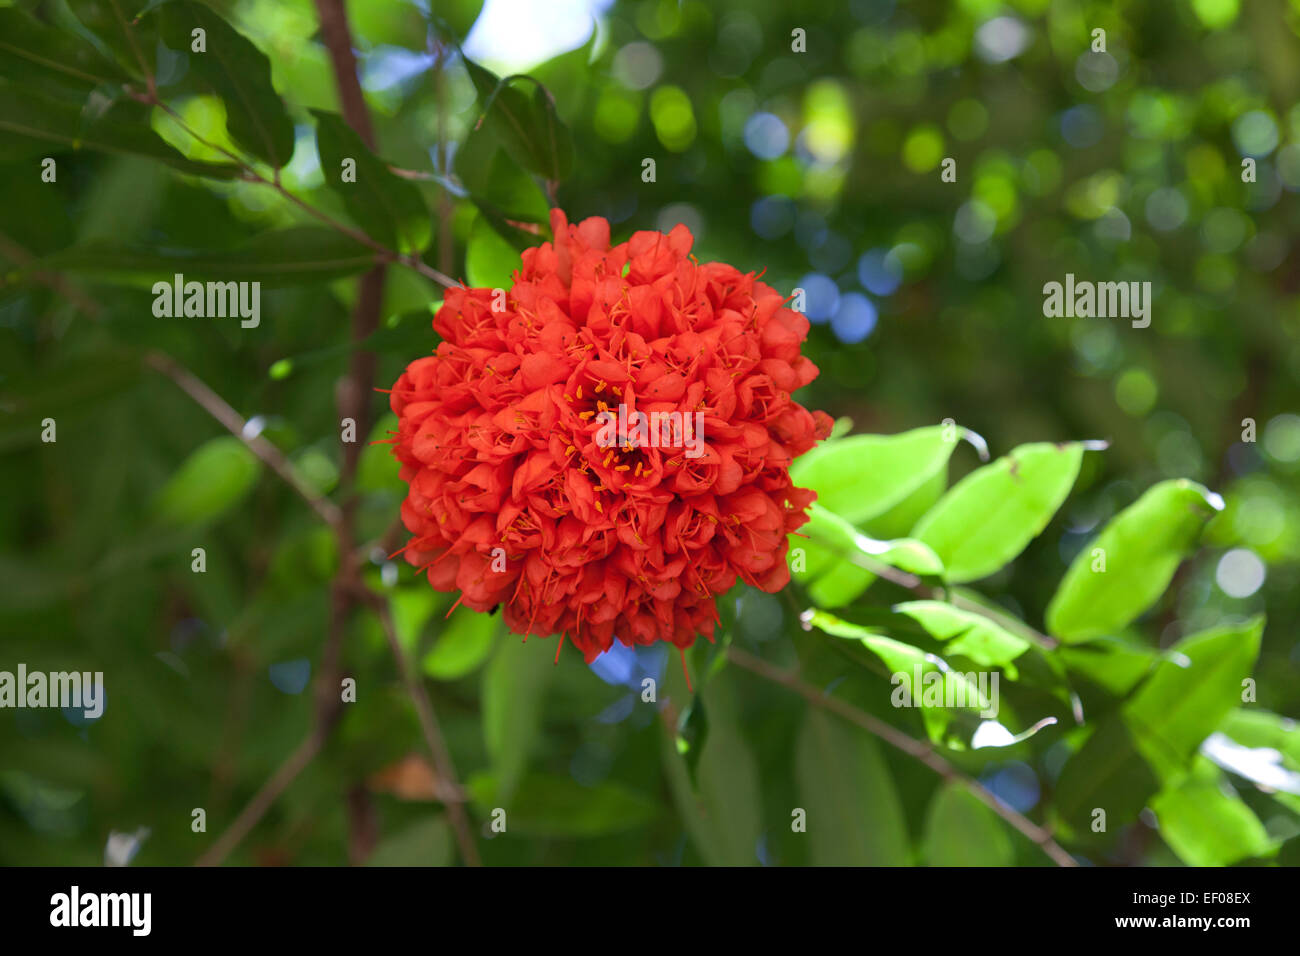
<point x="853" y="813"/>
<point x="819" y="560"/>
<point x="1179" y="706"/>
<point x="211" y="481"/>
<point x="863" y="476"/>
<point x="1141" y="548"/>
<point x="1252" y="727"/>
<point x="960" y="830"/>
<point x="831" y="558"/>
<point x="988" y="518"/>
<point x="238" y="72"/>
<point x="388" y="209"/>
<point x="1207" y="824"/>
<point x="920" y="679"/>
<point x="967" y="633"/>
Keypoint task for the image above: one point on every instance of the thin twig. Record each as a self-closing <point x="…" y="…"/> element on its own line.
<point x="252" y="175"/>
<point x="913" y="748"/>
<point x="217" y="407"/>
<point x="359" y="388"/>
<point x="271" y="790"/>
<point x="12" y="250"/>
<point x="453" y="797"/>
<point x="913" y="583"/>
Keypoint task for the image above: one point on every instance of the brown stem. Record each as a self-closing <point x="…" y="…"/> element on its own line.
<point x="453" y="797"/>
<point x="262" y="801"/>
<point x="913" y="748"/>
<point x="911" y="582"/>
<point x="234" y="423"/>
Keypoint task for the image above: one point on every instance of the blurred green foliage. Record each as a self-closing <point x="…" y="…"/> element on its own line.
<point x="822" y="167"/>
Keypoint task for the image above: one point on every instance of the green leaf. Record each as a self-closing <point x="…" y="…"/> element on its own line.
<point x="1106" y="774"/>
<point x="111" y="22"/>
<point x="463" y="645"/>
<point x="514" y="691"/>
<point x="72" y="388"/>
<point x="120" y="127"/>
<point x="388" y="209"/>
<point x="942" y="690"/>
<point x="1141" y="548"/>
<point x="546" y="806"/>
<point x="987" y="518"/>
<point x="863" y="476"/>
<point x="967" y="633"/>
<point x="32" y="54"/>
<point x="238" y="72"/>
<point x="1251" y="727"/>
<point x="835" y="557"/>
<point x="427" y="843"/>
<point x="496" y="182"/>
<point x="960" y="830"/>
<point x="526" y="127"/>
<point x="211" y="481"/>
<point x="1208" y="825"/>
<point x="1114" y="664"/>
<point x="490" y="261"/>
<point x="729" y="784"/>
<point x="819" y="560"/>
<point x="302" y="254"/>
<point x="898" y="520"/>
<point x="556" y="151"/>
<point x="1179" y="706"/>
<point x="854" y="816"/>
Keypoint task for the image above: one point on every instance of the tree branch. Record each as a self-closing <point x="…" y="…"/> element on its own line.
<point x="449" y="785"/>
<point x="913" y="748"/>
<point x="234" y="423"/>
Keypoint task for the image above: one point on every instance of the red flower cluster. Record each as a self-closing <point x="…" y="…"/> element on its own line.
<point x="513" y="499"/>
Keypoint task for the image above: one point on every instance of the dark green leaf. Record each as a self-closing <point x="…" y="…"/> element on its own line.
<point x="238" y="72"/>
<point x="32" y="54"/>
<point x="388" y="208"/>
<point x="854" y="817"/>
<point x="121" y="128"/>
<point x="514" y="693"/>
<point x="302" y="254"/>
<point x="545" y="805"/>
